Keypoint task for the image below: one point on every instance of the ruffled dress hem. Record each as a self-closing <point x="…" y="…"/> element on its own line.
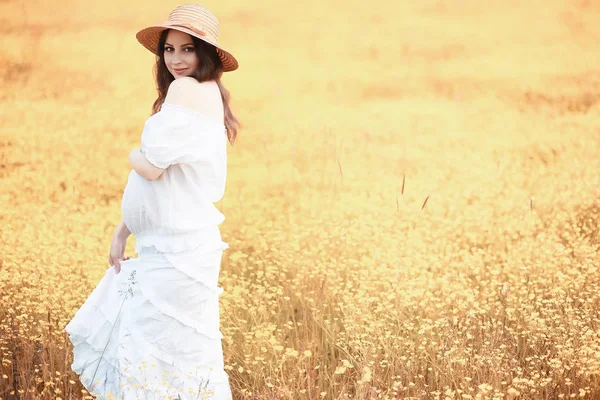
<point x="129" y="333"/>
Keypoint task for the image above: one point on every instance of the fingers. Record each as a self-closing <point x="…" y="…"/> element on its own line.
<point x="116" y="262"/>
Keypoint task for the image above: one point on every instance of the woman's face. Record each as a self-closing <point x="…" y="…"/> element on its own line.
<point x="180" y="54"/>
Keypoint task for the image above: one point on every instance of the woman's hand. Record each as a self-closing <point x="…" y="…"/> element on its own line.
<point x="117" y="252"/>
<point x="142" y="166"/>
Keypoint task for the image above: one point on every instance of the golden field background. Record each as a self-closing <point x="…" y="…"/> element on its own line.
<point x="412" y="205"/>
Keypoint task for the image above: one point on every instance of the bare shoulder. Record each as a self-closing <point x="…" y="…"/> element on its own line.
<point x="203" y="97"/>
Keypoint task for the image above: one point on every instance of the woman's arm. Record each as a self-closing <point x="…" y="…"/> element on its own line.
<point x="122" y="231"/>
<point x="117" y="246"/>
<point x="143" y="167"/>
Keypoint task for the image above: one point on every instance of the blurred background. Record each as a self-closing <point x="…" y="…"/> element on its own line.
<point x="405" y="171"/>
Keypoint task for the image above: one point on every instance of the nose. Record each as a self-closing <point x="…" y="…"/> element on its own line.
<point x="176" y="58"/>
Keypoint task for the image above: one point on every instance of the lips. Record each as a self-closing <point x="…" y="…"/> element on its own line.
<point x="179" y="70"/>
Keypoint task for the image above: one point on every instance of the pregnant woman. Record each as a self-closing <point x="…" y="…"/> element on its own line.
<point x="150" y="328"/>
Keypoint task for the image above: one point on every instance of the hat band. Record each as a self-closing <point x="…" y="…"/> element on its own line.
<point x="191" y="27"/>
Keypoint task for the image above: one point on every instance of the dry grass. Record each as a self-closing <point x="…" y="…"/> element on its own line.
<point x="412" y="207"/>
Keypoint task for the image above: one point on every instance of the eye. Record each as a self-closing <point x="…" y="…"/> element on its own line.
<point x="189" y="49"/>
<point x="168" y="49"/>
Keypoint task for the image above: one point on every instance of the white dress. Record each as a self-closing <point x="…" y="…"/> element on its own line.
<point x="152" y="331"/>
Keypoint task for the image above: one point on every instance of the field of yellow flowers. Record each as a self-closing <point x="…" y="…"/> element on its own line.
<point x="412" y="206"/>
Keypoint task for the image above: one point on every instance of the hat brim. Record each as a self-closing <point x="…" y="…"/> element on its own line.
<point x="150" y="36"/>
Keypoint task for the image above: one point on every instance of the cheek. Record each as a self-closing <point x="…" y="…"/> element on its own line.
<point x="191" y="59"/>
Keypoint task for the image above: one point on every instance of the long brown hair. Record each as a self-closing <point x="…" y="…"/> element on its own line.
<point x="209" y="68"/>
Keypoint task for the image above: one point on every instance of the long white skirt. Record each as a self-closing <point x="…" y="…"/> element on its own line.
<point x="152" y="331"/>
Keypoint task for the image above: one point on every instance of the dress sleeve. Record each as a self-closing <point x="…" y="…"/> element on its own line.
<point x="177" y="134"/>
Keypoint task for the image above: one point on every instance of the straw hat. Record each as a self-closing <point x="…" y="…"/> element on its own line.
<point x="194" y="20"/>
